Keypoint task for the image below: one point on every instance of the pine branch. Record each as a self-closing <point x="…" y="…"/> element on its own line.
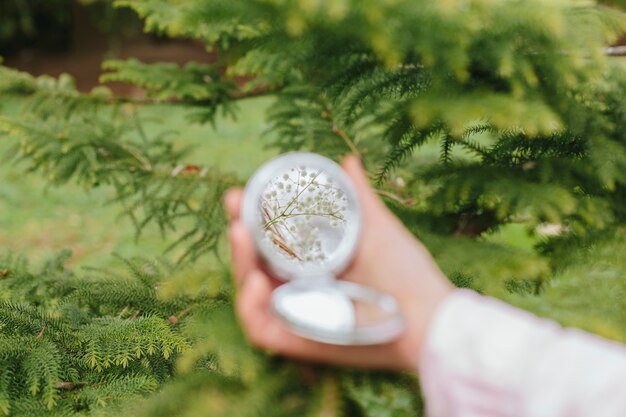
<point x="91" y="147"/>
<point x="405" y="147"/>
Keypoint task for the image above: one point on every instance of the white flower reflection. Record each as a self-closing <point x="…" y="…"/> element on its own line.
<point x="303" y="215"/>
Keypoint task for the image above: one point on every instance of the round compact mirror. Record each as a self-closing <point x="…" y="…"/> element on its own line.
<point x="303" y="213"/>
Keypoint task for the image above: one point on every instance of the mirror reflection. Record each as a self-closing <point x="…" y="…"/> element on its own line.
<point x="330" y="309"/>
<point x="337" y="313"/>
<point x="323" y="309"/>
<point x="303" y="214"/>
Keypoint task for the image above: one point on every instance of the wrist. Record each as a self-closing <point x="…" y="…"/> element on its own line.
<point x="420" y="317"/>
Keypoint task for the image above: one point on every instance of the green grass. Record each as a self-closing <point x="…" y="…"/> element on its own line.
<point x="38" y="220"/>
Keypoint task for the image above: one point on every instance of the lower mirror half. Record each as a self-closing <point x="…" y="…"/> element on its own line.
<point x="338" y="312"/>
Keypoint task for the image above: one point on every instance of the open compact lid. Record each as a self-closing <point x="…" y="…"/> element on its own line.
<point x="304" y="216"/>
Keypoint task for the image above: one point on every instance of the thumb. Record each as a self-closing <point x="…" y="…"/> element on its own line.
<point x="369" y="201"/>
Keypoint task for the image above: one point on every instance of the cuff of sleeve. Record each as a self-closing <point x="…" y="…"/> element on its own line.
<point x="466" y="361"/>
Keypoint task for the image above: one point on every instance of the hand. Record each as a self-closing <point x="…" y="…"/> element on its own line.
<point x="388" y="259"/>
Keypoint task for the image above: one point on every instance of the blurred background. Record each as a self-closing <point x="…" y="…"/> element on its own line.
<point x="74" y="37"/>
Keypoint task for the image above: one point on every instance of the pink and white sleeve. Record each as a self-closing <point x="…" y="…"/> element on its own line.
<point x="482" y="357"/>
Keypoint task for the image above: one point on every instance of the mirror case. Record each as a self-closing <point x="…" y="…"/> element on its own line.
<point x="304" y="216"/>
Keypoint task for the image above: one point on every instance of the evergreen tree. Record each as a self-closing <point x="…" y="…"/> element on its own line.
<point x="527" y="111"/>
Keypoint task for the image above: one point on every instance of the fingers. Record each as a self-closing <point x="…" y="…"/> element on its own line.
<point x="232" y="202"/>
<point x="264" y="330"/>
<point x="243" y="252"/>
<point x="253" y="306"/>
<point x="241" y="244"/>
<point x="259" y="324"/>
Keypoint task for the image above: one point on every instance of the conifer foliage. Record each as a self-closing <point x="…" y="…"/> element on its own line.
<point x="526" y="112"/>
<point x="68" y="345"/>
